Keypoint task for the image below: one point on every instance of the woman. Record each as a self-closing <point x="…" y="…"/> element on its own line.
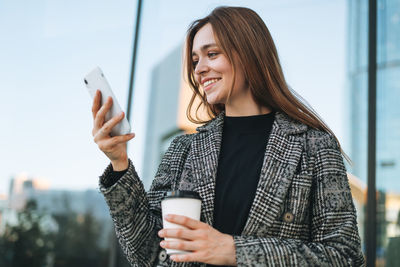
<point x="270" y="173"/>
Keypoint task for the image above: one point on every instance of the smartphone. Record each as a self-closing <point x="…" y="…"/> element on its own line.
<point x="95" y="80"/>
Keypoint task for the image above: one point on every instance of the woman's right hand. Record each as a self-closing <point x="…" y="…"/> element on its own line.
<point x="114" y="147"/>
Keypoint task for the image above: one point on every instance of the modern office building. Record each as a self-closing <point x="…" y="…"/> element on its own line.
<point x="387" y="117"/>
<point x="162" y="112"/>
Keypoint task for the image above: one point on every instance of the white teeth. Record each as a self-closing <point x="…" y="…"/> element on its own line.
<point x="210" y="82"/>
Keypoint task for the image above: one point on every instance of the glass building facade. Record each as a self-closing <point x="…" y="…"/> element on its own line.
<point x="45" y="54"/>
<point x="387" y="117"/>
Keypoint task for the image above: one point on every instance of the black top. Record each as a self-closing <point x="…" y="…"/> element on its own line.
<point x="114" y="176"/>
<point x="244" y="140"/>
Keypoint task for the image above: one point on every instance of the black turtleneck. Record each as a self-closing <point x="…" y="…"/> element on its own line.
<point x="244" y="140"/>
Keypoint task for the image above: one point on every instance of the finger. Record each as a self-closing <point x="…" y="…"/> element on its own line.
<point x="179" y="244"/>
<point x="109" y="143"/>
<point x="180" y="233"/>
<point x="109" y="125"/>
<point x="101" y="114"/>
<point x="96" y="103"/>
<point x="190" y="257"/>
<point x="185" y="221"/>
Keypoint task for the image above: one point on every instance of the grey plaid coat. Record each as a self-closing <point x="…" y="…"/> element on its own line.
<point x="302" y="214"/>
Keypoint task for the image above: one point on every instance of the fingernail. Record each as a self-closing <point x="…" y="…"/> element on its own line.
<point x="162" y="243"/>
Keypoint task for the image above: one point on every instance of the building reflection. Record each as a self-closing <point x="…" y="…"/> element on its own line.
<point x="388" y="216"/>
<point x="387" y="117"/>
<point x="58" y="227"/>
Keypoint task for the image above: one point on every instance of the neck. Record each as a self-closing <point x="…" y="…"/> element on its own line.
<point x="246" y="108"/>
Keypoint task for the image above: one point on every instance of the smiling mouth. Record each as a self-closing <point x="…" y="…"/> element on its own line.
<point x="208" y="84"/>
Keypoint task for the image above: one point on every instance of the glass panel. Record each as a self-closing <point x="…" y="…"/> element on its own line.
<point x="51" y="212"/>
<point x="388" y="135"/>
<point x="318" y="73"/>
<point x="387" y="182"/>
<point x="388" y="166"/>
<point x="358" y="105"/>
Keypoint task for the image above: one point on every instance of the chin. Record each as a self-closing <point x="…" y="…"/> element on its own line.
<point x="213" y="100"/>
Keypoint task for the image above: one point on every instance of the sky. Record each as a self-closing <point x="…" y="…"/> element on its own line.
<point x="47" y="47"/>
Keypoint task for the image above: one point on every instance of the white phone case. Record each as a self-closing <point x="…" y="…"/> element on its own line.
<point x="96" y="80"/>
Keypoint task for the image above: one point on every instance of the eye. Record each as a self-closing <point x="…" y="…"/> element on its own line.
<point x="212" y="54"/>
<point x="194" y="63"/>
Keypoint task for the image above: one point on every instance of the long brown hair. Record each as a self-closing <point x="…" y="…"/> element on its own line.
<point x="241" y="32"/>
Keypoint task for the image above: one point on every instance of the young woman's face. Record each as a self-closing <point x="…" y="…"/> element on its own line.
<point x="213" y="71"/>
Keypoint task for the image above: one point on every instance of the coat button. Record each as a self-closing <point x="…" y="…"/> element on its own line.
<point x="288" y="217"/>
<point x="162" y="256"/>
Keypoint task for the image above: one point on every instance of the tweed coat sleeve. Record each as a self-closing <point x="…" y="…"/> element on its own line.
<point x="137" y="214"/>
<point x="333" y="239"/>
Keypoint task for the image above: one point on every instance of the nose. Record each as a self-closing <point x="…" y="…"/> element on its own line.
<point x="201" y="67"/>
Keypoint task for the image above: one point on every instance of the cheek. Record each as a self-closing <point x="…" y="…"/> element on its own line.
<point x="226" y="68"/>
<point x="196" y="79"/>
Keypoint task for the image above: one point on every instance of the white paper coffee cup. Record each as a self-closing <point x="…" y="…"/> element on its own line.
<point x="186" y="203"/>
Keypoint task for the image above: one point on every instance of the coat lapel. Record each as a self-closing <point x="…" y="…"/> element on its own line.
<point x="281" y="158"/>
<point x="205" y="150"/>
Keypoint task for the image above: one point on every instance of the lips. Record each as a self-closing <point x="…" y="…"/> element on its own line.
<point x="208" y="83"/>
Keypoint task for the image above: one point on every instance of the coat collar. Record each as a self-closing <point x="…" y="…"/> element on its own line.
<point x="282" y="122"/>
<point x="282" y="155"/>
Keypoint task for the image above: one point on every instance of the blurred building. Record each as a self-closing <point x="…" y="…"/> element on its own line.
<point x="162" y="112"/>
<point x="22" y="188"/>
<point x="388" y="112"/>
<point x="52" y="202"/>
<point x="3" y="211"/>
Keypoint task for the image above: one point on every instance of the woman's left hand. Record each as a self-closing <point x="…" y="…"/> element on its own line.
<point x="205" y="243"/>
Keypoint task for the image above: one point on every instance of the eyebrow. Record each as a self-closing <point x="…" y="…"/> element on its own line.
<point x="205" y="47"/>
